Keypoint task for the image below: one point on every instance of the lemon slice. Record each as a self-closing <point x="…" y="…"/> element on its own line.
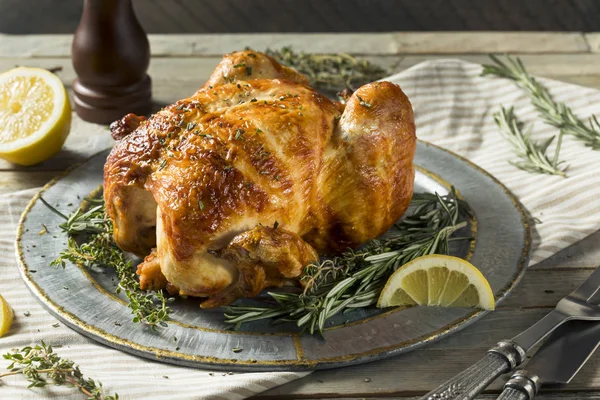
<point x="438" y="280"/>
<point x="35" y="115"/>
<point x="6" y="316"/>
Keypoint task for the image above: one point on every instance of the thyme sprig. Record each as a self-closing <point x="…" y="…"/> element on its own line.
<point x="532" y="154"/>
<point x="91" y="243"/>
<point x="42" y="367"/>
<point x="554" y="113"/>
<point x="356" y="278"/>
<point x="330" y="72"/>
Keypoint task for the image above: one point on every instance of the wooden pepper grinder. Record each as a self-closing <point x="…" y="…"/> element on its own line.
<point x="111" y="56"/>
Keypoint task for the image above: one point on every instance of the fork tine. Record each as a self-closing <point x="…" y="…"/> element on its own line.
<point x="588" y="288"/>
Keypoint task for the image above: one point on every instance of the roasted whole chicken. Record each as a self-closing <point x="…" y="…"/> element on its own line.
<point x="239" y="186"/>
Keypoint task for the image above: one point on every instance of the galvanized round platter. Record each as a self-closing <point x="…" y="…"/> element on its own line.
<point x="85" y="299"/>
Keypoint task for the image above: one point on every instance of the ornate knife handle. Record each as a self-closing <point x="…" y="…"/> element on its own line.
<point x="465" y="386"/>
<point x="522" y="385"/>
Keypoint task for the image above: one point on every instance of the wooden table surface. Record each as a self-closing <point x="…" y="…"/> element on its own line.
<point x="181" y="64"/>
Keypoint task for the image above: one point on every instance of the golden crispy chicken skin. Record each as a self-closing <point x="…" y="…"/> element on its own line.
<point x="257" y="146"/>
<point x="264" y="257"/>
<point x="248" y="65"/>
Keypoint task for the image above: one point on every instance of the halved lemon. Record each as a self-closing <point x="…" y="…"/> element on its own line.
<point x="437" y="280"/>
<point x="35" y="115"/>
<point x="6" y="316"/>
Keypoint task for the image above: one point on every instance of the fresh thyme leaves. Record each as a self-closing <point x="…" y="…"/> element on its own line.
<point x="44" y="230"/>
<point x="554" y="113"/>
<point x="91" y="243"/>
<point x="362" y="102"/>
<point x="330" y="72"/>
<point x="42" y="367"/>
<point x="92" y="221"/>
<point x="355" y="278"/>
<point x="533" y="154"/>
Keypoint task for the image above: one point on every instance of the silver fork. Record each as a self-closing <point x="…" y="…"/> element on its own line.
<point x="508" y="354"/>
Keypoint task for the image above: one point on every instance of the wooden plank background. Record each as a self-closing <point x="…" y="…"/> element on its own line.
<point x="220" y="16"/>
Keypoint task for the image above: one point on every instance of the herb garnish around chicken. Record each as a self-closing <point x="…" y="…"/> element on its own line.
<point x="554" y="113"/>
<point x="43" y="367"/>
<point x="340" y="284"/>
<point x="356" y="278"/>
<point x="532" y="154"/>
<point x="91" y="243"/>
<point x="330" y="72"/>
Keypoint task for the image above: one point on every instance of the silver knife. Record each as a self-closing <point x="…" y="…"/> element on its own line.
<point x="509" y="354"/>
<point x="556" y="362"/>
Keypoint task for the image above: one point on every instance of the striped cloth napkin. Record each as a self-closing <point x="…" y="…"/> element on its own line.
<point x="454" y="108"/>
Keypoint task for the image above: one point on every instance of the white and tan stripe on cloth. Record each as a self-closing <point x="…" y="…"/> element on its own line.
<point x="454" y="108"/>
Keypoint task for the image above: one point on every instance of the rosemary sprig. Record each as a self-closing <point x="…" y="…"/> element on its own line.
<point x="91" y="244"/>
<point x="330" y="72"/>
<point x="356" y="278"/>
<point x="532" y="153"/>
<point x="554" y="113"/>
<point x="42" y="367"/>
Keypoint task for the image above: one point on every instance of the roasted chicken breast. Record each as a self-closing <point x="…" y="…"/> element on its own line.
<point x="252" y="177"/>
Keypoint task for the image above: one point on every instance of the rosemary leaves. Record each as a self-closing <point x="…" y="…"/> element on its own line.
<point x="355" y="279"/>
<point x="532" y="154"/>
<point x="91" y="243"/>
<point x="554" y="113"/>
<point x="42" y="367"/>
<point x="330" y="72"/>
